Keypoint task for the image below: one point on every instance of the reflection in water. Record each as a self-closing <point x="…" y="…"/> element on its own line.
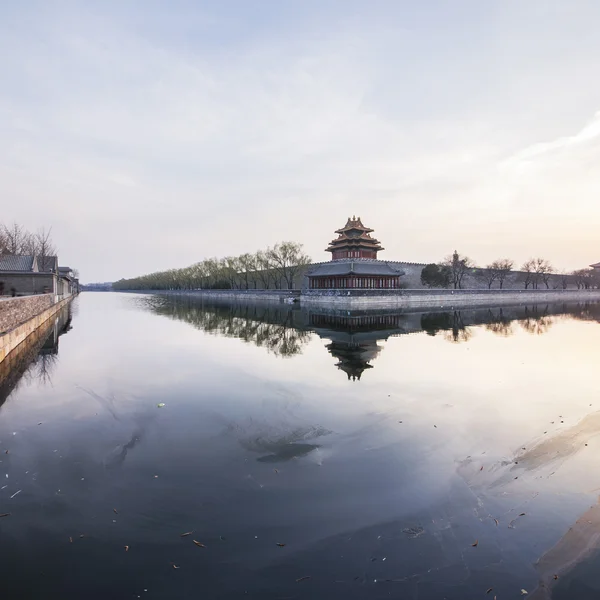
<point x="353" y="335"/>
<point x="36" y="357"/>
<point x="409" y="484"/>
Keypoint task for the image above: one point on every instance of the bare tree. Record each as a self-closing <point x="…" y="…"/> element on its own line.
<point x="536" y="270"/>
<point x="502" y="267"/>
<point x="288" y="259"/>
<point x="43" y="245"/>
<point x="459" y="266"/>
<point x="16" y="238"/>
<point x="264" y="268"/>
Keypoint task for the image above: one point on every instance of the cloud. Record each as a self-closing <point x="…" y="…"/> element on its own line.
<point x="153" y="140"/>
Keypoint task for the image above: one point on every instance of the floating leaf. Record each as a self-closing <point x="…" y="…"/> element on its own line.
<point x="5" y="515"/>
<point x="496" y="521"/>
<point x="161" y="405"/>
<point x="556" y="576"/>
<point x="522" y="515"/>
<point x="489" y="590"/>
<point x="281" y="545"/>
<point x="174" y="566"/>
<point x="524" y="592"/>
<point x="187" y="533"/>
<point x="303" y="578"/>
<point x="199" y="544"/>
<point x="115" y="511"/>
<point x="475" y="543"/>
<point x="481" y="468"/>
<point x="71" y="540"/>
<point x="126" y="548"/>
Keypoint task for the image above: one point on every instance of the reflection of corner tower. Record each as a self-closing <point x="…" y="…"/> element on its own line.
<point x="354" y="263"/>
<point x="354" y="358"/>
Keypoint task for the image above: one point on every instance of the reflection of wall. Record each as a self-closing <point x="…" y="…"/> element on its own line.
<point x="36" y="355"/>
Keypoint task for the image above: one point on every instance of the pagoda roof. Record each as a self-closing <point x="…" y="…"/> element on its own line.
<point x="596" y="266"/>
<point x="354" y="235"/>
<point x="353" y="223"/>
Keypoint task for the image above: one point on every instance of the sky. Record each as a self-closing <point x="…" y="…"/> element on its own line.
<point x="152" y="134"/>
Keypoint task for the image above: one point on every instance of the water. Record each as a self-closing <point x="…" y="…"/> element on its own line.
<point x="311" y="455"/>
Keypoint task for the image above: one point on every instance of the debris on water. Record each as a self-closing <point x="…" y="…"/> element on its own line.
<point x="556" y="576"/>
<point x="281" y="545"/>
<point x="496" y="521"/>
<point x="413" y="532"/>
<point x="160" y="404"/>
<point x="16" y="494"/>
<point x="481" y="468"/>
<point x="475" y="544"/>
<point x="276" y="471"/>
<point x="70" y="539"/>
<point x="5" y="515"/>
<point x="39" y="423"/>
<point x="4" y="486"/>
<point x="489" y="590"/>
<point x="187" y="533"/>
<point x="126" y="548"/>
<point x="522" y="515"/>
<point x="221" y="538"/>
<point x="302" y="578"/>
<point x="435" y="426"/>
<point x="174" y="566"/>
<point x="199" y="544"/>
<point x="115" y="511"/>
<point x="524" y="592"/>
<point x="6" y="452"/>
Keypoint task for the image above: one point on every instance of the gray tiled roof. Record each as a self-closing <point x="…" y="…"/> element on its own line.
<point x="355" y="267"/>
<point x="596" y="266"/>
<point x="21" y="263"/>
<point x="47" y="264"/>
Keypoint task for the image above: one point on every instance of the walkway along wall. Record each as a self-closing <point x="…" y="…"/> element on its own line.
<point x="20" y="317"/>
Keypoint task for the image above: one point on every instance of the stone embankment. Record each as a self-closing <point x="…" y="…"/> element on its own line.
<point x="441" y="298"/>
<point x="14" y="311"/>
<point x="20" y="317"/>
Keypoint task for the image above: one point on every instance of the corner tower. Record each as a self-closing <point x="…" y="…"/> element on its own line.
<point x="354" y="241"/>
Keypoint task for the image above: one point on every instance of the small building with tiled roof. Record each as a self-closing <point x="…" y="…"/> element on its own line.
<point x="596" y="266"/>
<point x="354" y="263"/>
<point x="22" y="275"/>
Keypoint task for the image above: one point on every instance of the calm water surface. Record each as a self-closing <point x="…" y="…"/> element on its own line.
<point x="450" y="455"/>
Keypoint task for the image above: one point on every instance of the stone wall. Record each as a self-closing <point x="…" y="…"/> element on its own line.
<point x="28" y="283"/>
<point x="14" y="311"/>
<point x="238" y="295"/>
<point x="473" y="281"/>
<point x="441" y="298"/>
<point x="19" y="333"/>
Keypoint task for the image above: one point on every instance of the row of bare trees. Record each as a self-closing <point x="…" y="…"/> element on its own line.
<point x="275" y="267"/>
<point x="15" y="239"/>
<point x="456" y="269"/>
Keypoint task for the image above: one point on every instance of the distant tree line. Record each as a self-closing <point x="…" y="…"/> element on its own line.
<point x="16" y="240"/>
<point x="273" y="268"/>
<point x="534" y="273"/>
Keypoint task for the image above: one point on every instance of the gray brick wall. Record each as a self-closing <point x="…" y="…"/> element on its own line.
<point x="14" y="311"/>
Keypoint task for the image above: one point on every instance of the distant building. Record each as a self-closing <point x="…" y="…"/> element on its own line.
<point x="354" y="263"/>
<point x="596" y="267"/>
<point x="24" y="275"/>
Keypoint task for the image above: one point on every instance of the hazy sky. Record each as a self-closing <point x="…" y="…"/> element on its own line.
<point x="152" y="134"/>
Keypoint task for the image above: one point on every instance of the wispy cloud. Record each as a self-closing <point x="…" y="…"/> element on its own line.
<point x="204" y="130"/>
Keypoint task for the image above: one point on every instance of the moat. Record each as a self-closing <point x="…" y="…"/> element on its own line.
<point x="162" y="447"/>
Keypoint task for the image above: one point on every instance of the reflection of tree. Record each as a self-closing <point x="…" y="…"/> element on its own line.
<point x="537" y="320"/>
<point x="499" y="324"/>
<point x="41" y="369"/>
<point x="452" y="323"/>
<point x="262" y="325"/>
